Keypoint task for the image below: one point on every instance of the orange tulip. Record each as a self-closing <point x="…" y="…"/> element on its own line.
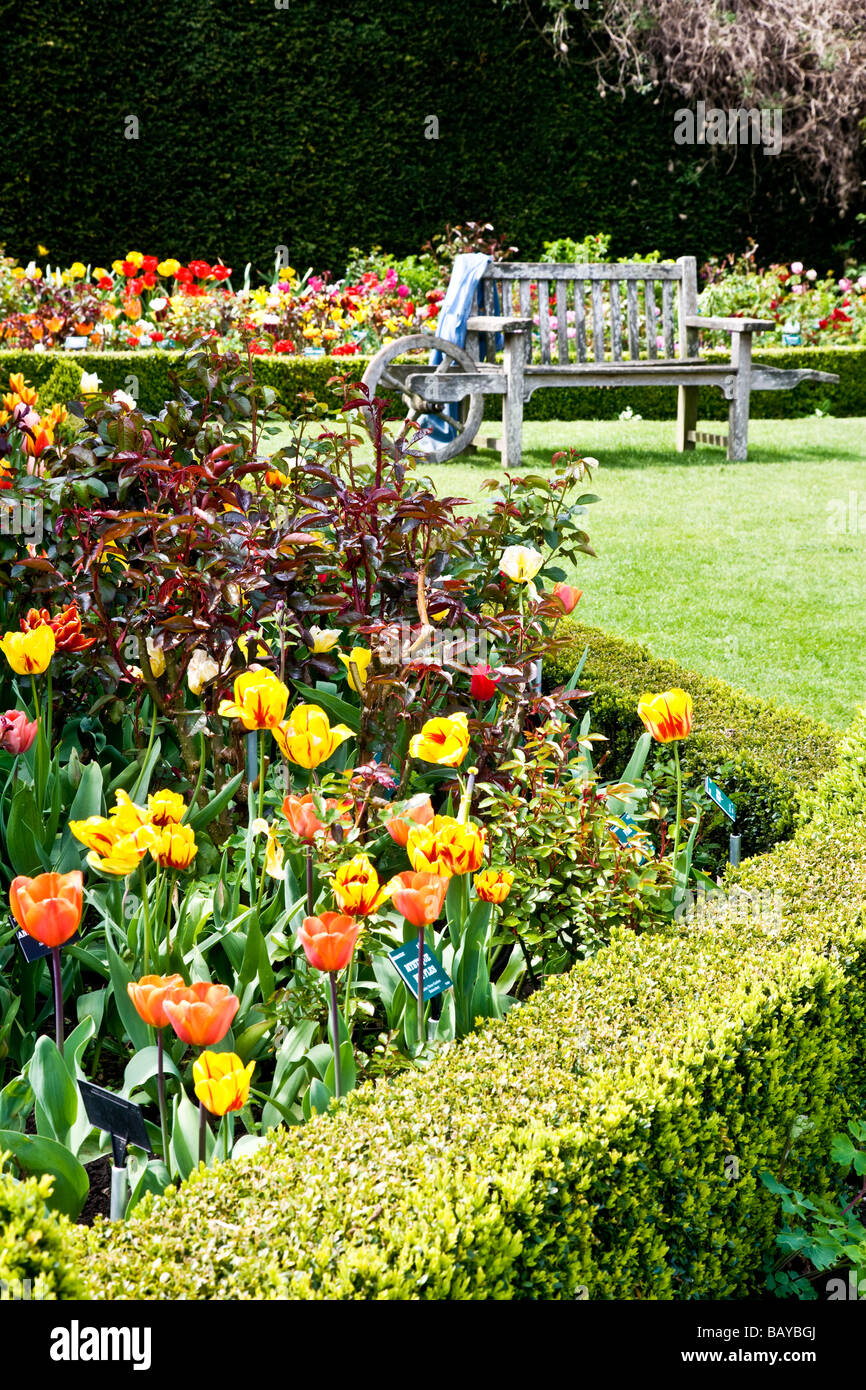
<point x="568" y="596"/>
<point x="418" y="811"/>
<point x="149" y="995"/>
<point x="668" y="716"/>
<point x="329" y="940"/>
<point x="202" y="1013"/>
<point x="48" y="907"/>
<point x="302" y="818"/>
<point x="419" y="897"/>
<point x="66" y="626"/>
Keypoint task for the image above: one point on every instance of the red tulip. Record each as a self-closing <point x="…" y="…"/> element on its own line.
<point x="48" y="907"/>
<point x="16" y="732"/>
<point x="568" y="596"/>
<point x="329" y="940"/>
<point x="484" y="682"/>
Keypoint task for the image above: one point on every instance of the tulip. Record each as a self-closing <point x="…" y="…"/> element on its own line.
<point x="174" y="847"/>
<point x="66" y="626"/>
<point x="301" y="815"/>
<point x="156" y="657"/>
<point x="446" y="847"/>
<point x="201" y="670"/>
<point x="323" y="639"/>
<point x="520" y="563"/>
<point x="29" y="653"/>
<point x="417" y="811"/>
<point x="420" y="898"/>
<point x="443" y="740"/>
<point x="307" y="738"/>
<point x="252" y="648"/>
<point x="16" y="732"/>
<point x="48" y="908"/>
<point x="493" y="885"/>
<point x="202" y="1013"/>
<point x="568" y="596"/>
<point x="149" y="994"/>
<point x="483" y="683"/>
<point x="329" y="940"/>
<point x="668" y="717"/>
<point x="166" y="808"/>
<point x="221" y="1081"/>
<point x="356" y="664"/>
<point x="357" y="887"/>
<point x="124" y="855"/>
<point x="260" y="700"/>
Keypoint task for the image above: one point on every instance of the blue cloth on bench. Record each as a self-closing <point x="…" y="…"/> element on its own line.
<point x="464" y="289"/>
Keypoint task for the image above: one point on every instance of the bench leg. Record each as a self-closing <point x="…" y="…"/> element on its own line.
<point x="512" y="401"/>
<point x="687" y="417"/>
<point x="738" y="410"/>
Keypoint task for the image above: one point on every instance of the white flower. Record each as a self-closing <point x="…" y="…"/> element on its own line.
<point x="201" y="669"/>
<point x="796" y="267"/>
<point x="323" y="639"/>
<point x="157" y="305"/>
<point x="520" y="563"/>
<point x="122" y="398"/>
<point x="156" y="656"/>
<point x="811" y="275"/>
<point x="90" y="383"/>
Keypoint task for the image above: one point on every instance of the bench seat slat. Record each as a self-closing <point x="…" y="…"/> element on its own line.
<point x="633" y="330"/>
<point x="544" y="319"/>
<point x="562" y="322"/>
<point x="650" y="311"/>
<point x="615" y="322"/>
<point x="597" y="320"/>
<point x="580" y="319"/>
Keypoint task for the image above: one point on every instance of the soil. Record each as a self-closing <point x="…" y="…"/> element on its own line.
<point x="98" y="1202"/>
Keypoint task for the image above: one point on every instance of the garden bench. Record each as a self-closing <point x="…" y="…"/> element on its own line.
<point x="598" y="325"/>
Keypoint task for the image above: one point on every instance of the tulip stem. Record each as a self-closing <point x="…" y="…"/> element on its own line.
<point x="420" y="985"/>
<point x="202" y="1133"/>
<point x="679" y="807"/>
<point x="335" y="1027"/>
<point x="310" y="879"/>
<point x="39" y="768"/>
<point x="142" y="878"/>
<point x="160" y="1082"/>
<point x="261" y="743"/>
<point x="58" y="997"/>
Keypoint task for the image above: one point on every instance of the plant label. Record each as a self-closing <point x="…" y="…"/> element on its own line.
<point x="434" y="980"/>
<point x="33" y="950"/>
<point x="723" y="802"/>
<point x="121" y="1118"/>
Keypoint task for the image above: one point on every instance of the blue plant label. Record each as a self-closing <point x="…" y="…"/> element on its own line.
<point x="33" y="950"/>
<point x="723" y="802"/>
<point x="434" y="981"/>
<point x="626" y="831"/>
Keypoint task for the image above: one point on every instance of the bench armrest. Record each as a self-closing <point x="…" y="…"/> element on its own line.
<point x="731" y="325"/>
<point x="491" y="323"/>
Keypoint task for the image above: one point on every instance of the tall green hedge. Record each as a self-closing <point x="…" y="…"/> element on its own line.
<point x="304" y="126"/>
<point x="605" y="1140"/>
<point x="150" y="367"/>
<point x="764" y="755"/>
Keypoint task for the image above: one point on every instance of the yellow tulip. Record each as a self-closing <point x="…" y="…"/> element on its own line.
<point x="323" y="639"/>
<point x="168" y="268"/>
<point x="493" y="885"/>
<point x="222" y="1082"/>
<point x="359" y="658"/>
<point x="201" y="670"/>
<point x="260" y="700"/>
<point x="174" y="847"/>
<point x="307" y="737"/>
<point x="29" y="653"/>
<point x="357" y="888"/>
<point x="520" y="563"/>
<point x="156" y="657"/>
<point x="135" y="258"/>
<point x="166" y="808"/>
<point x="444" y="740"/>
<point x="668" y="716"/>
<point x="446" y="847"/>
<point x="125" y="854"/>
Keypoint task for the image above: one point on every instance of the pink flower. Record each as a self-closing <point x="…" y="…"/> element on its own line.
<point x="844" y="285"/>
<point x="796" y="267"/>
<point x="403" y="291"/>
<point x="16" y="733"/>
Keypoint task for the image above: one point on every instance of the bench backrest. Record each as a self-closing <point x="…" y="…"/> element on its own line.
<point x="589" y="313"/>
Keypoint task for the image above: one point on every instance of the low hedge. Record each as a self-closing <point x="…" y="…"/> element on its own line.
<point x="762" y="754"/>
<point x="34" y="1243"/>
<point x="149" y="368"/>
<point x="604" y="1140"/>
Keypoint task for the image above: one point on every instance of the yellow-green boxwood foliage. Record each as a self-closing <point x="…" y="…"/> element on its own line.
<point x="586" y="1141"/>
<point x="288" y="375"/>
<point x="35" y="1243"/>
<point x="763" y="754"/>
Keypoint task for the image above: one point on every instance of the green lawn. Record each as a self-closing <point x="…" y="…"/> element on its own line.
<point x="733" y="568"/>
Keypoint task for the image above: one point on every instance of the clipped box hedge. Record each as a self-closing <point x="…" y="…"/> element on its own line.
<point x="581" y="1147"/>
<point x="149" y="368"/>
<point x="764" y="755"/>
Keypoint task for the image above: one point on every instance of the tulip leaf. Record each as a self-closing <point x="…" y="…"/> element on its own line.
<point x="36" y="1154"/>
<point x="137" y="1030"/>
<point x="143" y="1066"/>
<point x="199" y="819"/>
<point x="16" y="1103"/>
<point x="289" y="1072"/>
<point x="24" y="832"/>
<point x="54" y="1091"/>
<point x="248" y="1144"/>
<point x="638" y="759"/>
<point x="154" y="1177"/>
<point x="340" y="710"/>
<point x="317" y="1098"/>
<point x="86" y="802"/>
<point x="348" y="1074"/>
<point x="184" y="1136"/>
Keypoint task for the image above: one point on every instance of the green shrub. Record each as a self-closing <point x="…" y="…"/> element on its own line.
<point x="64" y="384"/>
<point x="762" y="754"/>
<point x="35" y="1243"/>
<point x="584" y="1141"/>
<point x="841" y="794"/>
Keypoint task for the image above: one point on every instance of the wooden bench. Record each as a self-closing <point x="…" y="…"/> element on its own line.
<point x="597" y="325"/>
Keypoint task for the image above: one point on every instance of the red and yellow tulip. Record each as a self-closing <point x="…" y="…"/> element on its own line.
<point x="307" y="737"/>
<point x="667" y="716"/>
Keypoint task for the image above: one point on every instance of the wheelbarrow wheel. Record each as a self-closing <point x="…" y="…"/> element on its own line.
<point x="385" y="373"/>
